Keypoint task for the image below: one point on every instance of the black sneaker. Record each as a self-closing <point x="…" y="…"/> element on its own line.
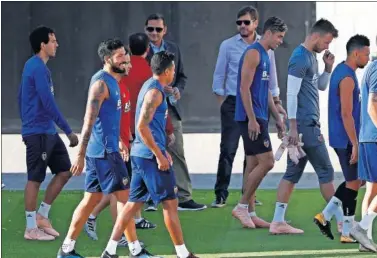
<point x="191" y="255"/>
<point x="150" y="206"/>
<point x="144" y="254"/>
<point x="218" y="203"/>
<point x="145" y="224"/>
<point x="124" y="243"/>
<point x="107" y="255"/>
<point x="71" y="254"/>
<point x="323" y="225"/>
<point x="258" y="203"/>
<point x="191" y="206"/>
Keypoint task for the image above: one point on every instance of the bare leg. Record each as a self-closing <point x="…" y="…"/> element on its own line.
<point x="31" y="195"/>
<point x="55" y="186"/>
<point x="172" y="221"/>
<point x="105" y="201"/>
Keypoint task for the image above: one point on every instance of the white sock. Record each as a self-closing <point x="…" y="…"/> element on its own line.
<point x="243" y="205"/>
<point x="280" y="209"/>
<point x="138" y="220"/>
<point x="252" y="214"/>
<point x="332" y="208"/>
<point x="347" y="225"/>
<point x="135" y="247"/>
<point x="182" y="251"/>
<point x="92" y="216"/>
<point x="68" y="245"/>
<point x="367" y="221"/>
<point x="31" y="221"/>
<point x="111" y="247"/>
<point x="339" y="214"/>
<point x="44" y="209"/>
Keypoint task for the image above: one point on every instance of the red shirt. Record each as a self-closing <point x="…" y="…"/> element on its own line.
<point x="126" y="114"/>
<point x="139" y="73"/>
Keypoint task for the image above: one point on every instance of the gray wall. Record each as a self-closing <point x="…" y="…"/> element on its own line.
<point x="198" y="28"/>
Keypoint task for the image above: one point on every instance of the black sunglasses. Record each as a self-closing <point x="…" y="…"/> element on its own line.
<point x="157" y="29"/>
<point x="246" y="22"/>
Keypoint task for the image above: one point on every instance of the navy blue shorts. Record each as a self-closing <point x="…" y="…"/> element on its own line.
<point x="106" y="175"/>
<point x="349" y="171"/>
<point x="148" y="181"/>
<point x="42" y="151"/>
<point x="368" y="162"/>
<point x="259" y="146"/>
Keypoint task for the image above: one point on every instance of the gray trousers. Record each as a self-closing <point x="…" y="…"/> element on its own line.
<point x="179" y="162"/>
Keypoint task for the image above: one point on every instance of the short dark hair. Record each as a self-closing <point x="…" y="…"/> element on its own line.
<point x="139" y="43"/>
<point x="248" y="10"/>
<point x="38" y="36"/>
<point x="357" y="42"/>
<point x="323" y="27"/>
<point x="155" y="16"/>
<point x="107" y="47"/>
<point x="275" y="24"/>
<point x="161" y="61"/>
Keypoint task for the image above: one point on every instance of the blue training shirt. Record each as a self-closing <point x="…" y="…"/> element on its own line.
<point x="337" y="133"/>
<point x="157" y="125"/>
<point x="106" y="130"/>
<point x="36" y="102"/>
<point x="258" y="88"/>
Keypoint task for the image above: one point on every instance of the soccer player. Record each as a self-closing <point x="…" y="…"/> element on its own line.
<point x="344" y="126"/>
<point x="303" y="114"/>
<point x="368" y="158"/>
<point x="151" y="164"/>
<point x="101" y="146"/>
<point x="44" y="147"/>
<point x="253" y="102"/>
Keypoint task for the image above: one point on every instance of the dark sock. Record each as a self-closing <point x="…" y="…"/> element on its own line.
<point x="349" y="202"/>
<point x="340" y="192"/>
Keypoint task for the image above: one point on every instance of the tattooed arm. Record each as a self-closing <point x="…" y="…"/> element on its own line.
<point x="152" y="100"/>
<point x="97" y="94"/>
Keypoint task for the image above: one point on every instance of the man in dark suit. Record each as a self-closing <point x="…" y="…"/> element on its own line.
<point x="155" y="28"/>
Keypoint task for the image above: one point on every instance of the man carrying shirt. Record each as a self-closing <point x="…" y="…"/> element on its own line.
<point x="44" y="148"/>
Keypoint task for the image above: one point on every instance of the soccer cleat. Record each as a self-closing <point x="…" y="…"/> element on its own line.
<point x="105" y="254"/>
<point x="45" y="224"/>
<point x="145" y="224"/>
<point x="260" y="223"/>
<point x="242" y="214"/>
<point x="347" y="240"/>
<point x="282" y="228"/>
<point x="191" y="205"/>
<point x="37" y="234"/>
<point x="90" y="229"/>
<point x="191" y="255"/>
<point x="323" y="225"/>
<point x="124" y="243"/>
<point x="150" y="206"/>
<point x="144" y="254"/>
<point x="360" y="235"/>
<point x="362" y="249"/>
<point x="218" y="203"/>
<point x="258" y="203"/>
<point x="71" y="254"/>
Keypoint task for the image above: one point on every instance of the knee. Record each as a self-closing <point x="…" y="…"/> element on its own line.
<point x="65" y="176"/>
<point x="269" y="164"/>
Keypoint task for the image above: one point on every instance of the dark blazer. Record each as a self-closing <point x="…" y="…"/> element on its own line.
<point x="179" y="78"/>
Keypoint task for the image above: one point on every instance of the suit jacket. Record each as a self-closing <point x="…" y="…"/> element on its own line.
<point x="179" y="78"/>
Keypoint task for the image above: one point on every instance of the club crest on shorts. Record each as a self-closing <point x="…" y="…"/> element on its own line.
<point x="266" y="143"/>
<point x="125" y="180"/>
<point x="175" y="189"/>
<point x="44" y="156"/>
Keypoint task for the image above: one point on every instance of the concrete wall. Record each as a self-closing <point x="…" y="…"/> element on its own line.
<point x="198" y="28"/>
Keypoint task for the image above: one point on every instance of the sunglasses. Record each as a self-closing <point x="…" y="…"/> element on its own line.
<point x="246" y="22"/>
<point x="157" y="29"/>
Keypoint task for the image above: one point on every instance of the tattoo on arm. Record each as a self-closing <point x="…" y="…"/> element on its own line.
<point x="96" y="96"/>
<point x="150" y="104"/>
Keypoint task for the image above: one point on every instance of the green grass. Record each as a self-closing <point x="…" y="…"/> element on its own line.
<point x="213" y="232"/>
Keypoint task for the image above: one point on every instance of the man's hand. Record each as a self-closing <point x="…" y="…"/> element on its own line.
<point x="220" y="99"/>
<point x="78" y="165"/>
<point x="123" y="150"/>
<point x="163" y="163"/>
<point x="254" y="129"/>
<point x="171" y="139"/>
<point x="282" y="111"/>
<point x="169" y="90"/>
<point x="293" y="136"/>
<point x="176" y="93"/>
<point x="169" y="158"/>
<point x="355" y="154"/>
<point x="280" y="126"/>
<point x="73" y="140"/>
<point x="328" y="59"/>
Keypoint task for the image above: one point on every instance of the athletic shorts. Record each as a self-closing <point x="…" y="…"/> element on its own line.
<point x="42" y="151"/>
<point x="316" y="153"/>
<point x="150" y="182"/>
<point x="349" y="171"/>
<point x="106" y="175"/>
<point x="261" y="145"/>
<point x="368" y="162"/>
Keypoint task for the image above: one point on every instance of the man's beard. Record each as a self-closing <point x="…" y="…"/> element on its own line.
<point x="118" y="70"/>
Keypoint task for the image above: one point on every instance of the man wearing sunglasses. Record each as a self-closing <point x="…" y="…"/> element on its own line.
<point x="155" y="28"/>
<point x="224" y="86"/>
